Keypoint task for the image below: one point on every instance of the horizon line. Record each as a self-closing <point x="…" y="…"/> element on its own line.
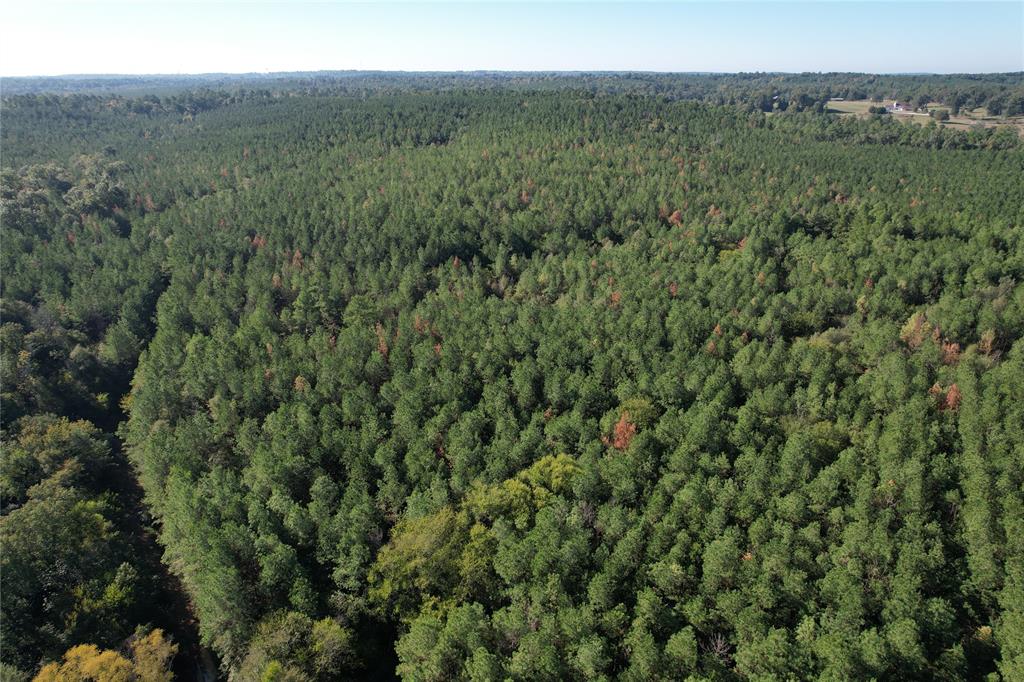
<point x="169" y="74"/>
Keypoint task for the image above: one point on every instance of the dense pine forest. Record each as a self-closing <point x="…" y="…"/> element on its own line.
<point x="510" y="378"/>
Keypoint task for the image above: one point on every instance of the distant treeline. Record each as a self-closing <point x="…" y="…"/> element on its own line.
<point x="1002" y="94"/>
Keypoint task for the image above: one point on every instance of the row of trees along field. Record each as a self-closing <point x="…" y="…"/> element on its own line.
<point x="510" y="383"/>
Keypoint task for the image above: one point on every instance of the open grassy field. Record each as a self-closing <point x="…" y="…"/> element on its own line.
<point x="963" y="120"/>
<point x="859" y="106"/>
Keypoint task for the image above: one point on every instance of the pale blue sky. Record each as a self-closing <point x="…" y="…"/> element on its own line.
<point x="41" y="38"/>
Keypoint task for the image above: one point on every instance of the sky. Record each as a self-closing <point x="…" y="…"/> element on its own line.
<point x="45" y="38"/>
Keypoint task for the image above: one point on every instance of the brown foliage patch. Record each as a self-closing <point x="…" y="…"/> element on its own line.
<point x="953" y="398"/>
<point x="624" y="431"/>
<point x="382" y="342"/>
<point x="948" y="399"/>
<point x="950" y="353"/>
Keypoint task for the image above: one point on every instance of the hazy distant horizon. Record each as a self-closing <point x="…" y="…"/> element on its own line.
<point x="148" y="39"/>
<point x="468" y="72"/>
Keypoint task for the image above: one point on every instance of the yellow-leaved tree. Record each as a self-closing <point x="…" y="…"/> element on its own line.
<point x="150" y="662"/>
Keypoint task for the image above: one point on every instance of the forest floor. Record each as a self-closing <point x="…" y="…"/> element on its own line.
<point x="962" y="121"/>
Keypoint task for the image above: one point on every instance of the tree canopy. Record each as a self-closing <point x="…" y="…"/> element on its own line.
<point x="527" y="380"/>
